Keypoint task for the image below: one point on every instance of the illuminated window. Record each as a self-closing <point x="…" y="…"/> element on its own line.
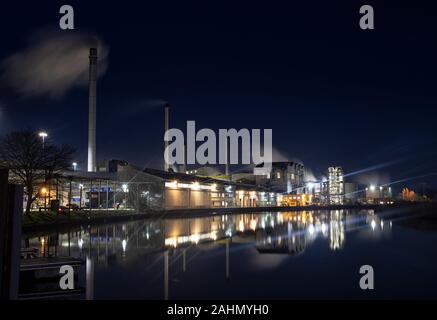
<point x="278" y="175"/>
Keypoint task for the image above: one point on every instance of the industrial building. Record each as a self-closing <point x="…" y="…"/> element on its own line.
<point x="117" y="185"/>
<point x="378" y="194"/>
<point x="351" y="192"/>
<point x="282" y="177"/>
<point x="333" y="187"/>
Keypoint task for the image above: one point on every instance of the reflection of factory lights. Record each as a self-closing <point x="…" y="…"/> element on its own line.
<point x="253" y="224"/>
<point x="324" y="228"/>
<point x="124" y="244"/>
<point x="147" y="236"/>
<point x="382" y="225"/>
<point x="195" y="238"/>
<point x="241" y="225"/>
<point x="80" y="243"/>
<point x="171" y="242"/>
<point x="373" y="225"/>
<point x="391" y="224"/>
<point x="311" y="229"/>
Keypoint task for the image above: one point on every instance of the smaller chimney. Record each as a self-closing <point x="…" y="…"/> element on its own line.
<point x="227" y="172"/>
<point x="166" y="128"/>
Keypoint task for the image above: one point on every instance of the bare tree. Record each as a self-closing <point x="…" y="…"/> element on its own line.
<point x="32" y="163"/>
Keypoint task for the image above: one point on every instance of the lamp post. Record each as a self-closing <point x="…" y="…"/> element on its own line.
<point x="43" y="135"/>
<point x="44" y="192"/>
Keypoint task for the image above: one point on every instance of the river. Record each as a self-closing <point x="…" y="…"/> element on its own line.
<point x="268" y="255"/>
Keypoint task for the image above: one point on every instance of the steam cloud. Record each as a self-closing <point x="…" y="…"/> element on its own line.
<point x="52" y="64"/>
<point x="279" y="156"/>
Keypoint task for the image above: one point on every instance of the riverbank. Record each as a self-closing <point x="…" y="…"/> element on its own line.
<point x="38" y="222"/>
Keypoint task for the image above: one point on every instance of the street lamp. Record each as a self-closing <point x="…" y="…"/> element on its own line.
<point x="74" y="166"/>
<point x="43" y="135"/>
<point x="44" y="192"/>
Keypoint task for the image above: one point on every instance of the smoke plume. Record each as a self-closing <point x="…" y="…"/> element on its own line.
<point x="53" y="63"/>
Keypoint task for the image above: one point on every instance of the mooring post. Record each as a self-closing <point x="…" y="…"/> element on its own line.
<point x="11" y="209"/>
<point x="166" y="275"/>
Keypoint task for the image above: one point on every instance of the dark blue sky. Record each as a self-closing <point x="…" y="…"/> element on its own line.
<point x="332" y="93"/>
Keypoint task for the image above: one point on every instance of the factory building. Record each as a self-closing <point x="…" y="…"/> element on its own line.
<point x="333" y="191"/>
<point x="117" y="185"/>
<point x="184" y="191"/>
<point x="378" y="194"/>
<point x="351" y="192"/>
<point x="282" y="177"/>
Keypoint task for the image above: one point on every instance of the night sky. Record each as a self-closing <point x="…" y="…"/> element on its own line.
<point x="332" y="93"/>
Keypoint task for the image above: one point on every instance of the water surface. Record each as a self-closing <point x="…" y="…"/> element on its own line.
<point x="271" y="255"/>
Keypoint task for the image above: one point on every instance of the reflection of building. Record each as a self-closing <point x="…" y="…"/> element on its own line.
<point x="336" y="230"/>
<point x="271" y="233"/>
<point x="286" y="238"/>
<point x="281" y="177"/>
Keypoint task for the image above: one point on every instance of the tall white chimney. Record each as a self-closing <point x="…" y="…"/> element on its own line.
<point x="166" y="127"/>
<point x="92" y="111"/>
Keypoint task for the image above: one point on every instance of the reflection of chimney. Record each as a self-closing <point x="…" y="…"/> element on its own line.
<point x="92" y="111"/>
<point x="166" y="128"/>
